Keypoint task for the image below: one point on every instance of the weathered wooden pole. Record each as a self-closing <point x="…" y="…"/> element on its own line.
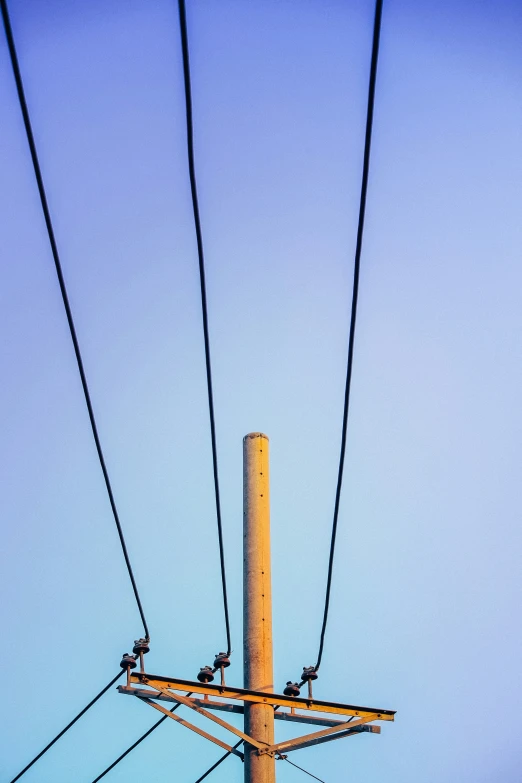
<point x="257" y="604"/>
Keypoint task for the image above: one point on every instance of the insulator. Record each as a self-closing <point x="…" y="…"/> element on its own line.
<point x="309" y="673"/>
<point x="128" y="661"/>
<point x="206" y="674"/>
<point x="292" y="689"/>
<point x="221" y="660"/>
<point x="141" y="646"/>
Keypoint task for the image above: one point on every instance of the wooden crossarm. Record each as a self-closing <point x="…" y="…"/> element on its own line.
<point x="257" y="697"/>
<point x="222" y="706"/>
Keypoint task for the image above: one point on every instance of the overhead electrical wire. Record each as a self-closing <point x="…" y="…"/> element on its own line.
<point x="304" y="770"/>
<point x="353" y="316"/>
<point x="218" y="762"/>
<point x="145" y="735"/>
<point x="197" y="222"/>
<point x="54" y="248"/>
<point x="135" y="744"/>
<point x="69" y="725"/>
<point x="203" y="290"/>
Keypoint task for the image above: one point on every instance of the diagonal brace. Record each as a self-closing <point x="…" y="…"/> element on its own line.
<point x="294" y="744"/>
<point x="188" y="725"/>
<point x="219" y="721"/>
<point x="319" y="740"/>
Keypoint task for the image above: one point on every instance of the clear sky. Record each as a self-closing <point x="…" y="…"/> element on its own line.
<point x="425" y="614"/>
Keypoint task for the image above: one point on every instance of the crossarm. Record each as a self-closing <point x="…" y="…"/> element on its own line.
<point x="257" y="697"/>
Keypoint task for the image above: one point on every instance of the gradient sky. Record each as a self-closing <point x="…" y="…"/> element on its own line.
<point x="426" y="603"/>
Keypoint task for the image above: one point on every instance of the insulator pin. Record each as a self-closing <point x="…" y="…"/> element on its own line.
<point x="221" y="661"/>
<point x="205" y="674"/>
<point x="141" y="646"/>
<point x="292" y="689"/>
<point x="128" y="661"/>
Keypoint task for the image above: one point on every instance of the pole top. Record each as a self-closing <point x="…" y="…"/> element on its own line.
<point x="256" y="435"/>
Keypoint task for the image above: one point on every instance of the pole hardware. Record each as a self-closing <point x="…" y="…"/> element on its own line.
<point x="141" y="648"/>
<point x="292" y="716"/>
<point x="309" y="675"/>
<point x="199" y="731"/>
<point x="206" y="674"/>
<point x="356" y="719"/>
<point x="292" y="689"/>
<point x="344" y="729"/>
<point x="159" y="683"/>
<point x="128" y="662"/>
<point x="221" y="661"/>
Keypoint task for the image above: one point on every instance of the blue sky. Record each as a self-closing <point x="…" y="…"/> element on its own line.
<point x="425" y="614"/>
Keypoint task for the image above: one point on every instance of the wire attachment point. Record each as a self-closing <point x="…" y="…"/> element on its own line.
<point x="292" y="689"/>
<point x="206" y="674"/>
<point x="128" y="662"/>
<point x="309" y="675"/>
<point x="221" y="661"/>
<point x="141" y="648"/>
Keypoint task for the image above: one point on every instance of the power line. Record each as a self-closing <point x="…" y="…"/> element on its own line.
<point x="355" y="293"/>
<point x="54" y="248"/>
<point x="69" y="725"/>
<point x="218" y="762"/>
<point x="201" y="259"/>
<point x="304" y="770"/>
<point x="145" y="735"/>
<point x="134" y="745"/>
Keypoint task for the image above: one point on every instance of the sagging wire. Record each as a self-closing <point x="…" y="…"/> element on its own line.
<point x="307" y="671"/>
<point x="203" y="291"/>
<point x="147" y="734"/>
<point x="66" y="729"/>
<point x="134" y="745"/>
<point x="218" y="762"/>
<point x="63" y="290"/>
<point x="302" y="769"/>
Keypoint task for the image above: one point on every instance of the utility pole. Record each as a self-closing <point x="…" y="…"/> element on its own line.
<point x="257" y="701"/>
<point x="257" y="605"/>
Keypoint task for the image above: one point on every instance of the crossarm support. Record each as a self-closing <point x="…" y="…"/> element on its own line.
<point x="308" y="739"/>
<point x="189" y="703"/>
<point x="190" y="726"/>
<point x="319" y="740"/>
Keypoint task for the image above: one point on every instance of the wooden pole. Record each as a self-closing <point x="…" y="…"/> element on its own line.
<point x="257" y="604"/>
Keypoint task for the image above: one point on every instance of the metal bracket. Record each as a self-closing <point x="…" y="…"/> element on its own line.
<point x="333" y="732"/>
<point x="222" y="706"/>
<point x="341" y="735"/>
<point x="188" y="725"/>
<point x="219" y="721"/>
<point x="259" y="697"/>
<point x="163" y="689"/>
